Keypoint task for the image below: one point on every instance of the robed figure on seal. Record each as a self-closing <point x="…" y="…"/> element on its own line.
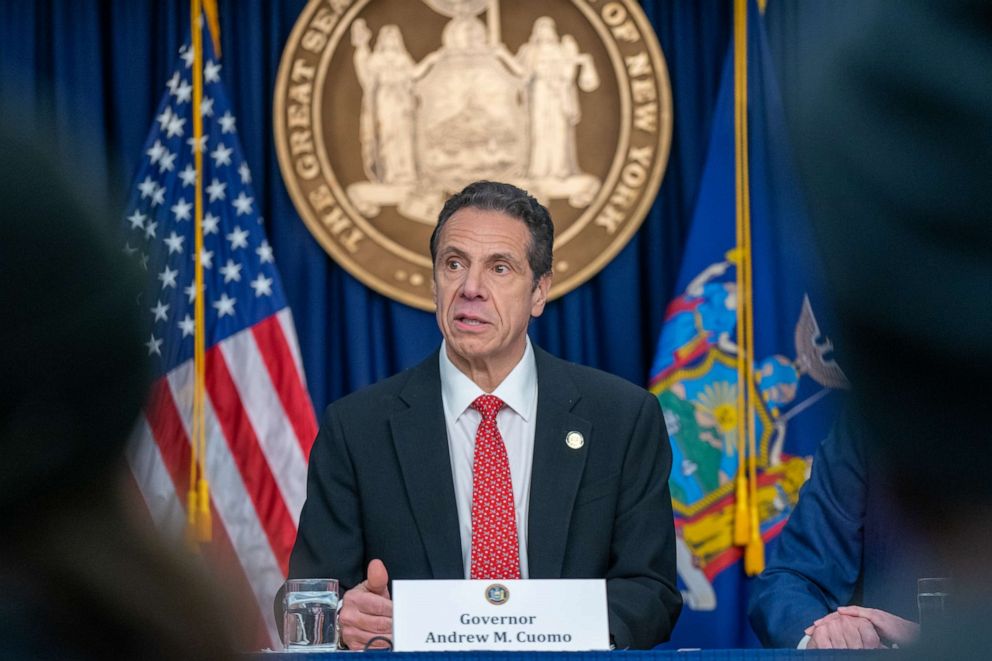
<point x="551" y="66"/>
<point x="386" y="124"/>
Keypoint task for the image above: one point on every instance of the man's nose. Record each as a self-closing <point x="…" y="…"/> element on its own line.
<point x="474" y="285"/>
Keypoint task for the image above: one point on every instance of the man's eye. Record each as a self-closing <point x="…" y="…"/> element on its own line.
<point x="454" y="265"/>
<point x="501" y="268"/>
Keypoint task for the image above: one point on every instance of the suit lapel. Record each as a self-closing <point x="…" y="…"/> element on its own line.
<point x="557" y="468"/>
<point x="420" y="438"/>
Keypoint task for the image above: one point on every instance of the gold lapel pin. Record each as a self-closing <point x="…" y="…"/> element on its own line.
<point x="574" y="440"/>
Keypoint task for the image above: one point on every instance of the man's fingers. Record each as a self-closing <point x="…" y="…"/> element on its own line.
<point x="829" y="617"/>
<point x="378" y="578"/>
<point x="848" y="632"/>
<point x="859" y="611"/>
<point x="855" y="618"/>
<point x="890" y="627"/>
<point x="843" y="629"/>
<point x="367" y="612"/>
<point x="838" y="639"/>
<point x="834" y="635"/>
<point x="372" y="604"/>
<point x="852" y="632"/>
<point x="359" y="624"/>
<point x="822" y="638"/>
<point x="869" y="637"/>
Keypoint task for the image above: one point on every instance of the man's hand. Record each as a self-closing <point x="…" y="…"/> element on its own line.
<point x="891" y="628"/>
<point x="840" y="631"/>
<point x="367" y="610"/>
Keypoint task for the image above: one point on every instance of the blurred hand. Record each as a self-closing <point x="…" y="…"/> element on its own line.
<point x="891" y="628"/>
<point x="840" y="631"/>
<point x="367" y="610"/>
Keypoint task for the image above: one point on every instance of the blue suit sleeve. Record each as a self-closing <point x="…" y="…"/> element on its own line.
<point x="817" y="563"/>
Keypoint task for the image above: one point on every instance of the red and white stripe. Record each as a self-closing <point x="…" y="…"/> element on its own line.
<point x="260" y="426"/>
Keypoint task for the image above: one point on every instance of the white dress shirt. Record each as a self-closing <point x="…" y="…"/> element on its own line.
<point x="516" y="423"/>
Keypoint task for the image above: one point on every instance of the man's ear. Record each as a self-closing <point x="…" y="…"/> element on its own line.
<point x="539" y="297"/>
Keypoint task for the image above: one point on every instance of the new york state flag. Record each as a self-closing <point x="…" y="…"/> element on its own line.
<point x="695" y="373"/>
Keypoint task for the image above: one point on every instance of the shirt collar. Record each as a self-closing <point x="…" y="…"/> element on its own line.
<point x="518" y="390"/>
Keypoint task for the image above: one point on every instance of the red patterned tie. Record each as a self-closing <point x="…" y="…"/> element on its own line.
<point x="495" y="553"/>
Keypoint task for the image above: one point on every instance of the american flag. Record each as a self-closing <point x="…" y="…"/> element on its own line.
<point x="259" y="417"/>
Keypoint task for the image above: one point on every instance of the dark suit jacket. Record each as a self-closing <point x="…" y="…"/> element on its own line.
<point x="845" y="543"/>
<point x="380" y="486"/>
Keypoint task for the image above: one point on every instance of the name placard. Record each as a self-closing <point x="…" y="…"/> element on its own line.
<point x="543" y="615"/>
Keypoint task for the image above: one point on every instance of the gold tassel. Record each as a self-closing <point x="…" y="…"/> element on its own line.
<point x="191" y="528"/>
<point x="754" y="556"/>
<point x="742" y="516"/>
<point x="204" y="520"/>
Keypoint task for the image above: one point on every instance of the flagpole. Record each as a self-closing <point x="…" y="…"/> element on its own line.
<point x="742" y="493"/>
<point x="754" y="555"/>
<point x="192" y="507"/>
<point x="202" y="518"/>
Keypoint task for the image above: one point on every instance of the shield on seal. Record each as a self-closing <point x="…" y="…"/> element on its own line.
<point x="471" y="111"/>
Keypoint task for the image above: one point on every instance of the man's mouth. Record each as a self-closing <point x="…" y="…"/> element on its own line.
<point x="469" y="320"/>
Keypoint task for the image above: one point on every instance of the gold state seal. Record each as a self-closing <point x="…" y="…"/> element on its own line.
<point x="383" y="108"/>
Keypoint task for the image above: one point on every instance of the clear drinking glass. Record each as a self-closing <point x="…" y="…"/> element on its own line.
<point x="931" y="597"/>
<point x="310" y="614"/>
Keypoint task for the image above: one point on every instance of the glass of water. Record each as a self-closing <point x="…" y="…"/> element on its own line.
<point x="309" y="620"/>
<point x="931" y="597"/>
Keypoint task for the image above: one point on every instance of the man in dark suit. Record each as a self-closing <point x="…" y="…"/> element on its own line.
<point x="402" y="473"/>
<point x="843" y="574"/>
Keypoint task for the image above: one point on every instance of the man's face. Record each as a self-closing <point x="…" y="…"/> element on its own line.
<point x="484" y="288"/>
